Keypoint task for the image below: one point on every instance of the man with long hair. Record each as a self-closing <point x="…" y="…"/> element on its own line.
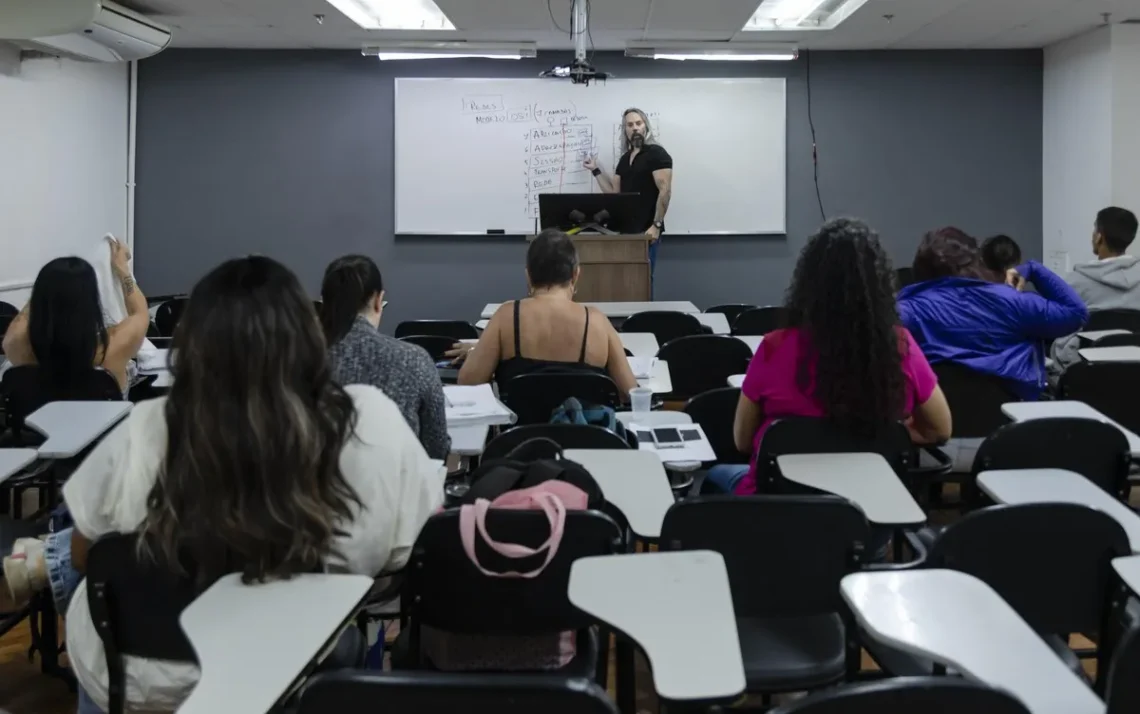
<point x="645" y="168"/>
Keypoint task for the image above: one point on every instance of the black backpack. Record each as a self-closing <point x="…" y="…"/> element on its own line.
<point x="530" y="463"/>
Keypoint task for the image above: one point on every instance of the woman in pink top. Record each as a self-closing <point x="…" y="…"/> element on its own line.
<point x="843" y="355"/>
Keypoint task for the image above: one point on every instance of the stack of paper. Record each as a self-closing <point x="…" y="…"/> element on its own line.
<point x="642" y="366"/>
<point x="153" y="361"/>
<point x="470" y="405"/>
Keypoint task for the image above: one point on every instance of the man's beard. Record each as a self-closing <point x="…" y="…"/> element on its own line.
<point x="636" y="140"/>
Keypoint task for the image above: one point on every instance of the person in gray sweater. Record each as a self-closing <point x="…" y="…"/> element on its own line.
<point x="1110" y="282"/>
<point x="352" y="300"/>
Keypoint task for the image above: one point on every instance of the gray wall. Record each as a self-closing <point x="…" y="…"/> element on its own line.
<point x="290" y="154"/>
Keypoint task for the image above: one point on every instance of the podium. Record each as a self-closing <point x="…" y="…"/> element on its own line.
<point x="615" y="268"/>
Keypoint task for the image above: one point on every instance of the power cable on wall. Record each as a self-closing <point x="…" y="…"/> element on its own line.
<point x="814" y="145"/>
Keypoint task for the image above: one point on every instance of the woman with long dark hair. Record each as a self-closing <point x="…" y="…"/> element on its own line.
<point x="842" y="357"/>
<point x="352" y="302"/>
<point x="62" y="328"/>
<point x="257" y="462"/>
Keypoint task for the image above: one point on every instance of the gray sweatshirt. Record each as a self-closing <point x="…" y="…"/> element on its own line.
<point x="1108" y="284"/>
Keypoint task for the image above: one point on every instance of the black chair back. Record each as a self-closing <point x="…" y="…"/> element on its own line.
<point x="715" y="411"/>
<point x="1123" y="693"/>
<point x="1106" y="387"/>
<point x="665" y="325"/>
<point x="699" y="363"/>
<point x="759" y="321"/>
<point x="533" y="397"/>
<point x="1052" y="562"/>
<point x="435" y="345"/>
<point x="975" y="400"/>
<point x="404" y="692"/>
<point x="168" y="314"/>
<point x="804" y="543"/>
<point x="445" y="590"/>
<point x="1118" y="319"/>
<point x="567" y="436"/>
<point x="731" y="311"/>
<point x="1129" y="340"/>
<point x="904" y="276"/>
<point x="25" y="389"/>
<point x="802" y="435"/>
<point x="1094" y="449"/>
<point x="453" y="329"/>
<point x="135" y="605"/>
<point x="908" y="695"/>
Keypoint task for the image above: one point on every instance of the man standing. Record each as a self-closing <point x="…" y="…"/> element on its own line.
<point x="645" y="168"/>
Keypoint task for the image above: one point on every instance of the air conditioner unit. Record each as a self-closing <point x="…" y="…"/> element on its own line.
<point x="115" y="34"/>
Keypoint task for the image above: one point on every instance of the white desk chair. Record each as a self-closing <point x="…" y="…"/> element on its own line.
<point x="633" y="481"/>
<point x="70" y="427"/>
<point x="1025" y="411"/>
<point x="12" y="461"/>
<point x="867" y="480"/>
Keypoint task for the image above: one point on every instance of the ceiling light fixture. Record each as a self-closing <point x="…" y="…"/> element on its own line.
<point x="394" y="14"/>
<point x="791" y="15"/>
<point x="449" y="50"/>
<point x="712" y="52"/>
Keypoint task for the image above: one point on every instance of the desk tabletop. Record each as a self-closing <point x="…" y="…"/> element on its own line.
<point x="13" y="460"/>
<point x="715" y="321"/>
<point x="1058" y="486"/>
<point x="633" y="481"/>
<point x="468" y="440"/>
<point x="1124" y="353"/>
<point x="1094" y="335"/>
<point x="70" y="427"/>
<point x="641" y="344"/>
<point x="660" y="379"/>
<point x="621" y="309"/>
<point x="1024" y="411"/>
<point x="661" y="418"/>
<point x="753" y="341"/>
<point x="959" y="621"/>
<point x="1128" y="569"/>
<point x="281" y="626"/>
<point x="736" y="380"/>
<point x="678" y="607"/>
<point x="867" y="480"/>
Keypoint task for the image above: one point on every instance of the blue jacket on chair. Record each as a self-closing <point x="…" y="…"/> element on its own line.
<point x="991" y="327"/>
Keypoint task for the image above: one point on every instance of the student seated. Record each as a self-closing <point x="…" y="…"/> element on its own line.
<point x="842" y="357"/>
<point x="1110" y="282"/>
<point x="257" y="462"/>
<point x="1000" y="253"/>
<point x="62" y="328"/>
<point x="959" y="316"/>
<point x="352" y="300"/>
<point x="548" y="329"/>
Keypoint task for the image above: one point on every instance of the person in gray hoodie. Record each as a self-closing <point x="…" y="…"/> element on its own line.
<point x="1112" y="281"/>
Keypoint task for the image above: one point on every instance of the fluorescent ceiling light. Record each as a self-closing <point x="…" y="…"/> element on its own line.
<point x="449" y="50"/>
<point x="394" y="14"/>
<point x="714" y="52"/>
<point x="776" y="15"/>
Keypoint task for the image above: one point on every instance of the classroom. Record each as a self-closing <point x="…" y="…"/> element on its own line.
<point x="586" y="356"/>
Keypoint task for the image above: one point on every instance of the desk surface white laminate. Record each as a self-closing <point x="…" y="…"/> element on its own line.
<point x="468" y="440"/>
<point x="620" y="309"/>
<point x="1058" y="486"/>
<point x="693" y="651"/>
<point x="660" y="380"/>
<point x="641" y="344"/>
<point x="959" y="621"/>
<point x="1128" y="569"/>
<point x="867" y="480"/>
<point x="753" y="341"/>
<point x="662" y="418"/>
<point x="736" y="380"/>
<point x="1095" y="335"/>
<point x="715" y="321"/>
<point x="633" y="481"/>
<point x="12" y="460"/>
<point x="280" y="627"/>
<point x="1025" y="411"/>
<point x="1124" y="353"/>
<point x="70" y="427"/>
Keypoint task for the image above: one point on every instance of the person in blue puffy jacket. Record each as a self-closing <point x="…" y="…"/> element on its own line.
<point x="959" y="311"/>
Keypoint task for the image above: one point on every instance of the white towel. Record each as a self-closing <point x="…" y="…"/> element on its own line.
<point x="110" y="291"/>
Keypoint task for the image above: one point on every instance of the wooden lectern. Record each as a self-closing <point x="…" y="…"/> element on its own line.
<point x="615" y="268"/>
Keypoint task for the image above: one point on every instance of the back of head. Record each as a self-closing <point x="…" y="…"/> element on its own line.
<point x="1118" y="227"/>
<point x="551" y="259"/>
<point x="1000" y="253"/>
<point x="349" y="284"/>
<point x="251" y="481"/>
<point x="842" y="297"/>
<point x="65" y="322"/>
<point x="948" y="253"/>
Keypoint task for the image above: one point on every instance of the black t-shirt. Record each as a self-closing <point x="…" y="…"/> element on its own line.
<point x="638" y="178"/>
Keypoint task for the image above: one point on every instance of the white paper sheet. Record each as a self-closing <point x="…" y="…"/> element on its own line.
<point x="695" y="450"/>
<point x="468" y="405"/>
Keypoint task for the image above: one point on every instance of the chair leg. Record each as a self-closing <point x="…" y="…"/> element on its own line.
<point x="602" y="668"/>
<point x="626" y="677"/>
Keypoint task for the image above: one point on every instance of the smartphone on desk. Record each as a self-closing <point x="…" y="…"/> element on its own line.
<point x="667" y="438"/>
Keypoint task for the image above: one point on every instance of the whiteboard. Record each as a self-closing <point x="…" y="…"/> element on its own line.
<point x="473" y="155"/>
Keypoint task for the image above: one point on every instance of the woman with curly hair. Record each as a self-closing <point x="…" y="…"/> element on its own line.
<point x="842" y="356"/>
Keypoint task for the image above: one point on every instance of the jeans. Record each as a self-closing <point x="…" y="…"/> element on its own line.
<point x="62" y="575"/>
<point x="726" y="476"/>
<point x="652" y="264"/>
<point x="86" y="705"/>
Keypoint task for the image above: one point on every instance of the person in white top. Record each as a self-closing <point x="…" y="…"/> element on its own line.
<point x="257" y="461"/>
